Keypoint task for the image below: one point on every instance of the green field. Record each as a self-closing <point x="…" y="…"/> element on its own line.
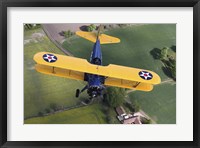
<point x="40" y="91"/>
<point x="91" y="114"/>
<point x="159" y="104"/>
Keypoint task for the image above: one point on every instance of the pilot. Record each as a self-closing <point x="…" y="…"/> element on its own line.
<point x="97" y="61"/>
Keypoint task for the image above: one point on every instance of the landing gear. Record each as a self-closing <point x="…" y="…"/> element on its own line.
<point x="77" y="93"/>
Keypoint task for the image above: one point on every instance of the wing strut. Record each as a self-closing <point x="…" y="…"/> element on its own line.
<point x="136" y="84"/>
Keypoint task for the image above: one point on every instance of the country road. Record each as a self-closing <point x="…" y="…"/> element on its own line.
<point x="54" y="30"/>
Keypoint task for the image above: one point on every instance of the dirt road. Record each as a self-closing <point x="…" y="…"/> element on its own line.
<point x="55" y="29"/>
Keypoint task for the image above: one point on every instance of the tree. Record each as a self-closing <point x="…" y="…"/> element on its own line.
<point x="67" y="33"/>
<point x="28" y="26"/>
<point x="172" y="67"/>
<point x="136" y="106"/>
<point x="122" y="25"/>
<point x="145" y="121"/>
<point x="163" y="53"/>
<point x="47" y="110"/>
<point x="93" y="26"/>
<point x="172" y="62"/>
<point x="40" y="113"/>
<point x="129" y="106"/>
<point x="54" y="106"/>
<point x="31" y="26"/>
<point x="169" y="61"/>
<point x="115" y="96"/>
<point x="173" y="72"/>
<point x="89" y="29"/>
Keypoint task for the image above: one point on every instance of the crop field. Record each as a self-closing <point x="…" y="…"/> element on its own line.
<point x="134" y="49"/>
<point x="91" y="114"/>
<point x="40" y="91"/>
<point x="159" y="104"/>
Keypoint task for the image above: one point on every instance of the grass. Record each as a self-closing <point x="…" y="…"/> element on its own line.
<point x="91" y="114"/>
<point x="159" y="104"/>
<point x="134" y="48"/>
<point x="42" y="90"/>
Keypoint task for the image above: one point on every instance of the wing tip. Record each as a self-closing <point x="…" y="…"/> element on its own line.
<point x="158" y="80"/>
<point x="38" y="55"/>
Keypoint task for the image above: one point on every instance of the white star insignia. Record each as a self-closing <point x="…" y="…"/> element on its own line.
<point x="145" y="75"/>
<point x="49" y="58"/>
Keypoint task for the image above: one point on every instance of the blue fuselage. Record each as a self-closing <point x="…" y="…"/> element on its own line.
<point x="95" y="81"/>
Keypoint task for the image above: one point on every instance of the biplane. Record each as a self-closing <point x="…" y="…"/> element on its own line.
<point x="93" y="72"/>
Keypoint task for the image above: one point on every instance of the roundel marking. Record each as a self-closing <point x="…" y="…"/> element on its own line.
<point x="145" y="75"/>
<point x="49" y="58"/>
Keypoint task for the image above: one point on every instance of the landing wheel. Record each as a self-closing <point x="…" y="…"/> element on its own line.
<point x="77" y="93"/>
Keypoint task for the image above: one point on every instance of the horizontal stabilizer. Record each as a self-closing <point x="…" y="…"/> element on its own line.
<point x="92" y="36"/>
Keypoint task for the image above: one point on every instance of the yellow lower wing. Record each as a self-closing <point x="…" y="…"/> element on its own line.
<point x="75" y="68"/>
<point x="128" y="84"/>
<point x="65" y="73"/>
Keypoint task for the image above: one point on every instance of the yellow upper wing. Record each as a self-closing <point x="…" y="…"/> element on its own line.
<point x="115" y="75"/>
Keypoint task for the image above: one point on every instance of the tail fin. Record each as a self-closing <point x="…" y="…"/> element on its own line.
<point x="92" y="36"/>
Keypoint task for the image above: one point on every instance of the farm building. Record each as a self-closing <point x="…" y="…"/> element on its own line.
<point x="132" y="120"/>
<point x="125" y="118"/>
